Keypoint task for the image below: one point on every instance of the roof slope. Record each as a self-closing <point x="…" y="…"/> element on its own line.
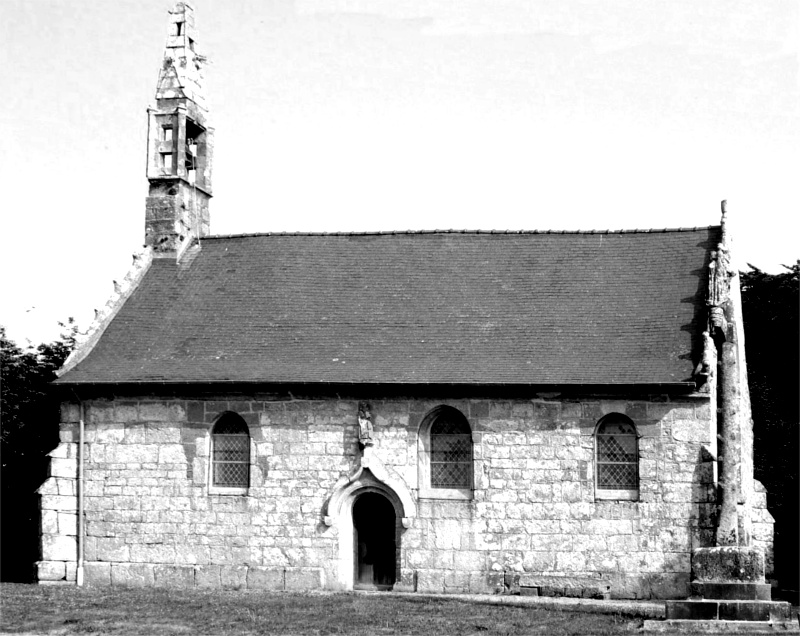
<point x="432" y="307"/>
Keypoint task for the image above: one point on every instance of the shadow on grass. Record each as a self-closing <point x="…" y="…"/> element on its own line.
<point x="69" y="610"/>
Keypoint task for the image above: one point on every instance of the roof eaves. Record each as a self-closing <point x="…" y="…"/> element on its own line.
<point x="165" y="382"/>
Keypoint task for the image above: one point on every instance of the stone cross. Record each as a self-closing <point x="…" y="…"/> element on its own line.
<point x="724" y="318"/>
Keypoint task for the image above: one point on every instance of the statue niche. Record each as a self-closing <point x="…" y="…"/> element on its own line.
<point x="365" y="425"/>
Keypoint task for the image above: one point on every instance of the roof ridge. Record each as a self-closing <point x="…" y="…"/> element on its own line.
<point x="415" y="232"/>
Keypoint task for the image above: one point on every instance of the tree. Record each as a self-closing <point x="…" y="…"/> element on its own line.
<point x="770" y="304"/>
<point x="28" y="431"/>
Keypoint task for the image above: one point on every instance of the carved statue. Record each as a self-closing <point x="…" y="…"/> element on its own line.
<point x="364" y="425"/>
<point x="721" y="273"/>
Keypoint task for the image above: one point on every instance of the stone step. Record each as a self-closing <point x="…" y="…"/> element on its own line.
<point x="742" y="591"/>
<point x="728" y="610"/>
<point x="673" y="626"/>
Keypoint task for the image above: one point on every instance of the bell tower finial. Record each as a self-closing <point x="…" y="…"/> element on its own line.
<point x="179" y="143"/>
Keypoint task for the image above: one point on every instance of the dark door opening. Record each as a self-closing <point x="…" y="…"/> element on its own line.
<point x="374" y="525"/>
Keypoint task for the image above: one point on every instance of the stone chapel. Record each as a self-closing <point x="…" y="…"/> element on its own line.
<point x="452" y="411"/>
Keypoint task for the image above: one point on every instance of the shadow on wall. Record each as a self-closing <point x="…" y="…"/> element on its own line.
<point x="20" y="517"/>
<point x="24" y="469"/>
<point x="704" y="492"/>
<point x="783" y="495"/>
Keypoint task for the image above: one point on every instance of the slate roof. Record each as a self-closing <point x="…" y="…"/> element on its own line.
<point x="563" y="308"/>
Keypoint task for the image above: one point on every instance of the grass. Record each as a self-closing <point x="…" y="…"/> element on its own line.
<point x="66" y="610"/>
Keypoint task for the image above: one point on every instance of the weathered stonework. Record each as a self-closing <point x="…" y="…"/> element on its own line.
<point x="729" y="577"/>
<point x="180" y="145"/>
<point x="59" y="505"/>
<point x="533" y="522"/>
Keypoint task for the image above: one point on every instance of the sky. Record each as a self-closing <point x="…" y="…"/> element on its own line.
<point x="361" y="115"/>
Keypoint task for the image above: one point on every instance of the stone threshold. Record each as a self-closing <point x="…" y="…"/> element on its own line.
<point x="645" y="609"/>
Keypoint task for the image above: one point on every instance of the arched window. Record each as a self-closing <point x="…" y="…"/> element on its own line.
<point x="446" y="455"/>
<point x="230" y="452"/>
<point x="616" y="458"/>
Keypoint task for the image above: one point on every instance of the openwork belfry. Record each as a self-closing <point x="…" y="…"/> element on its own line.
<point x="422" y="411"/>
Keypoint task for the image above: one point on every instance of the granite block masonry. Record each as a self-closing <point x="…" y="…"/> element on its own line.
<point x="532" y="517"/>
<point x="449" y="411"/>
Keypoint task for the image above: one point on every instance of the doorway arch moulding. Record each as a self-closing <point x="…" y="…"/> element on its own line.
<point x="373" y="475"/>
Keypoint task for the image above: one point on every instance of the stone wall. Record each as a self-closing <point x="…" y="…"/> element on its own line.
<point x="532" y="521"/>
<point x="59" y="519"/>
<point x="763" y="525"/>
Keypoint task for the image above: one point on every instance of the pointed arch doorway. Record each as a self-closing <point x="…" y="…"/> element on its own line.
<point x="375" y="534"/>
<point x="370" y="478"/>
